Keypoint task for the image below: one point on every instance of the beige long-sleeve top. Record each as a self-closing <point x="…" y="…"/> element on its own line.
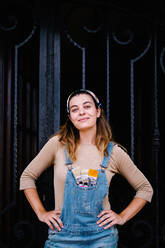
<point x="88" y="156"/>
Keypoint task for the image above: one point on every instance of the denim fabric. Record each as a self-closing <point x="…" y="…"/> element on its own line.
<point x="79" y="215"/>
<point x="69" y="239"/>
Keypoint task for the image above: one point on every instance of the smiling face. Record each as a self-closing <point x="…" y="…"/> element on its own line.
<point x="83" y="112"/>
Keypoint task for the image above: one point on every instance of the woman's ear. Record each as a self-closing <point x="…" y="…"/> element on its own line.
<point x="98" y="112"/>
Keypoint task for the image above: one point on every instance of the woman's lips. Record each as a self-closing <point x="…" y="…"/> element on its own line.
<point x="83" y="119"/>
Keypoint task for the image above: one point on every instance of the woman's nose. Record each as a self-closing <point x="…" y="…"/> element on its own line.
<point x="81" y="111"/>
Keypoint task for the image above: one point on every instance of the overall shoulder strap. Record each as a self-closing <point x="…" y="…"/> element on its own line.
<point x="106" y="158"/>
<point x="67" y="160"/>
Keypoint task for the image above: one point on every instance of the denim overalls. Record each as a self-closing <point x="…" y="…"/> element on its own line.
<point x="79" y="214"/>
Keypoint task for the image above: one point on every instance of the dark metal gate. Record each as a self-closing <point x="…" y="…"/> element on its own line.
<point x="47" y="51"/>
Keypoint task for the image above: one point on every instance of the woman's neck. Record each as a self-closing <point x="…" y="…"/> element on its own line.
<point x="87" y="137"/>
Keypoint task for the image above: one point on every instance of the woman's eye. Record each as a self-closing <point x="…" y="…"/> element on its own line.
<point x="87" y="106"/>
<point x="74" y="110"/>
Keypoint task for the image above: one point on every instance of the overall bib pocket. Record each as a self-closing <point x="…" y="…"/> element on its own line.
<point x="86" y="201"/>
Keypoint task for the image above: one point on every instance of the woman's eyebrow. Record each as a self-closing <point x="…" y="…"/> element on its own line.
<point x="87" y="102"/>
<point x="83" y="104"/>
<point x="73" y="106"/>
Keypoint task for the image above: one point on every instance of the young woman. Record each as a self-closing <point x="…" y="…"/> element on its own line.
<point x="85" y="158"/>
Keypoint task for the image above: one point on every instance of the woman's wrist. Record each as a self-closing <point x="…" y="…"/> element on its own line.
<point x="123" y="218"/>
<point x="40" y="212"/>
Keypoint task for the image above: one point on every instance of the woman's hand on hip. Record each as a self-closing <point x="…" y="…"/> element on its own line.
<point x="108" y="218"/>
<point x="52" y="219"/>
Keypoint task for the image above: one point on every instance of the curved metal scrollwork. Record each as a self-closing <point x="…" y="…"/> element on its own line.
<point x="83" y="56"/>
<point x="15" y="126"/>
<point x="76" y="44"/>
<point x="132" y="105"/>
<point x="124" y="31"/>
<point x="10" y="24"/>
<point x="15" y="139"/>
<point x="127" y="36"/>
<point x="124" y="35"/>
<point x="92" y="30"/>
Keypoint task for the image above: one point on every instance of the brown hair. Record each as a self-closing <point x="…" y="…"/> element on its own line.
<point x="69" y="135"/>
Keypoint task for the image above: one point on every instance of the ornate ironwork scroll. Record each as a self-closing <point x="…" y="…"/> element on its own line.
<point x="132" y="105"/>
<point x="12" y="24"/>
<point x="81" y="47"/>
<point x="14" y="182"/>
<point x="15" y="122"/>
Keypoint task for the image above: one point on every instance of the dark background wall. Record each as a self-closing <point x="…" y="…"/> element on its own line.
<point x="47" y="50"/>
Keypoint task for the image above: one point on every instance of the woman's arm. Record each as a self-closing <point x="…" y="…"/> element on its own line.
<point x="41" y="162"/>
<point x="109" y="218"/>
<point x="132" y="209"/>
<point x="44" y="159"/>
<point x="49" y="217"/>
<point x="123" y="165"/>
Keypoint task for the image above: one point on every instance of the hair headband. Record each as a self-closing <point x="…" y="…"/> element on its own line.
<point x="74" y="93"/>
